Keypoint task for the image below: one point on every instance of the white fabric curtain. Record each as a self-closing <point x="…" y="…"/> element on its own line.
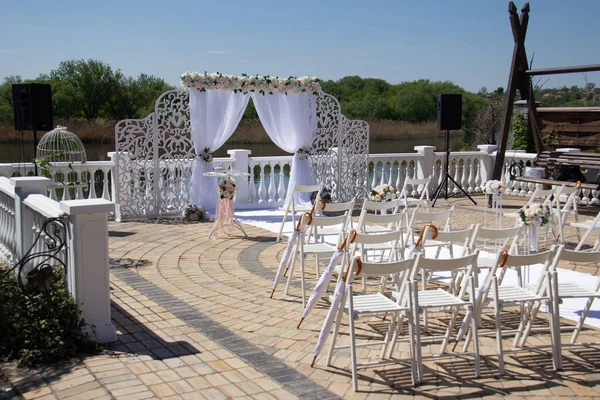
<point x="214" y="115"/>
<point x="291" y="122"/>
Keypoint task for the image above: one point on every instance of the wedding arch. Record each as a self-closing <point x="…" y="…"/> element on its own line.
<point x="160" y="159"/>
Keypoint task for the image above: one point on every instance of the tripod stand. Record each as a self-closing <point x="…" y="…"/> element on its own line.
<point x="444" y="182"/>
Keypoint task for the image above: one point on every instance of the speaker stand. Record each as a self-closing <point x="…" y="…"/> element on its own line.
<point x="35" y="166"/>
<point x="444" y="182"/>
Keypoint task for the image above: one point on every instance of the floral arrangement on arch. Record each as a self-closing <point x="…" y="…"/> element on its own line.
<point x="206" y="155"/>
<point x="250" y="83"/>
<point x="303" y="154"/>
<point x="383" y="192"/>
<point x="226" y="189"/>
<point x="194" y="213"/>
<point x="535" y="214"/>
<point x="493" y="187"/>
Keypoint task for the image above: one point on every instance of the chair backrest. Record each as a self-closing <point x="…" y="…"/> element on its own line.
<point x="462" y="238"/>
<point x="540" y="193"/>
<point x="298" y="189"/>
<point x="390" y="206"/>
<point x="503" y="238"/>
<point x="339" y="207"/>
<point x="584" y="257"/>
<point x="380" y="268"/>
<point x="420" y="183"/>
<point x="321" y="221"/>
<point x="420" y="218"/>
<point x="390" y="221"/>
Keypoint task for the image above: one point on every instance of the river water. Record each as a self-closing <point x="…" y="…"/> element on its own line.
<point x="23" y="152"/>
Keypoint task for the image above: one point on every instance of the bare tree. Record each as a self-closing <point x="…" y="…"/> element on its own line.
<point x="487" y="123"/>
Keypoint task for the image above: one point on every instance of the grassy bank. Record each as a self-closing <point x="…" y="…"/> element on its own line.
<point x="103" y="131"/>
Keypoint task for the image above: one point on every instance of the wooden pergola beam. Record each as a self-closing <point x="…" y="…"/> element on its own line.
<point x="563" y="70"/>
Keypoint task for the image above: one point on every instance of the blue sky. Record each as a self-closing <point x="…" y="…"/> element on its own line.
<point x="468" y="42"/>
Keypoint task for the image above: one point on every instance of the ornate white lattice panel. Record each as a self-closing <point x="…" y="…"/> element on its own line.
<point x="155" y="154"/>
<point x="175" y="151"/>
<point x="354" y="154"/>
<point x="135" y="168"/>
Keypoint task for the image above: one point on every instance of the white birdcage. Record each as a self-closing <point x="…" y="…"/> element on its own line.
<point x="61" y="145"/>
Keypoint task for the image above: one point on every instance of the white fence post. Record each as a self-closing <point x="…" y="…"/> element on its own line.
<point x="487" y="162"/>
<point x="240" y="163"/>
<point x="88" y="275"/>
<point x="425" y="166"/>
<point x="24" y="186"/>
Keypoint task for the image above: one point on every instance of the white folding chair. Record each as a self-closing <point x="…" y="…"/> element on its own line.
<point x="441" y="219"/>
<point x="319" y="250"/>
<point x="415" y="192"/>
<point x="570" y="195"/>
<point x="562" y="290"/>
<point x="589" y="226"/>
<point x="428" y="299"/>
<point x="375" y="304"/>
<point x="337" y="208"/>
<point x="381" y="223"/>
<point x="494" y="240"/>
<point x="499" y="296"/>
<point x="291" y="206"/>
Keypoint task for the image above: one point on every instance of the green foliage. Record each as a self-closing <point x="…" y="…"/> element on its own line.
<point x="42" y="324"/>
<point x="519" y="129"/>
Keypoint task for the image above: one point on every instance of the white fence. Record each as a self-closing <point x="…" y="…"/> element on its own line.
<point x="25" y="206"/>
<point x="267" y="185"/>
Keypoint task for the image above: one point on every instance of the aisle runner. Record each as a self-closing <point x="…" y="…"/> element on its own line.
<point x="570" y="308"/>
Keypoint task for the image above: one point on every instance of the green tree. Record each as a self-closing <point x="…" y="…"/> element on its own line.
<point x="6" y="103"/>
<point x="93" y="81"/>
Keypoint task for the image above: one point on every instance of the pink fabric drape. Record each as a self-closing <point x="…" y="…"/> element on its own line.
<point x="224" y="218"/>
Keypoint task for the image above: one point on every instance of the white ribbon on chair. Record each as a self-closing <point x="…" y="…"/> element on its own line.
<point x="289" y="255"/>
<point x="324" y="279"/>
<point x="333" y="310"/>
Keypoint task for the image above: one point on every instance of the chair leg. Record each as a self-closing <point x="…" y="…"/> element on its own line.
<point x="352" y="339"/>
<point x="555" y="301"/>
<point x="475" y="329"/>
<point x="498" y="329"/>
<point x="582" y="318"/>
<point x="417" y="326"/>
<point x="389" y="335"/>
<point x="285" y="214"/>
<point x="291" y="273"/>
<point x="302" y="277"/>
<point x="449" y="330"/>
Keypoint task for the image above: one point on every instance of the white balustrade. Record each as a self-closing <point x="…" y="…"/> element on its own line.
<point x="267" y="184"/>
<point x="24" y="207"/>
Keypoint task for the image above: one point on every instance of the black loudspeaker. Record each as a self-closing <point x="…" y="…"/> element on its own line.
<point x="32" y="104"/>
<point x="449" y="111"/>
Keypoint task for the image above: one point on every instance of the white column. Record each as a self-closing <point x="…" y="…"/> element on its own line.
<point x="24" y="186"/>
<point x="88" y="276"/>
<point x="240" y="163"/>
<point x="425" y="165"/>
<point x="487" y="162"/>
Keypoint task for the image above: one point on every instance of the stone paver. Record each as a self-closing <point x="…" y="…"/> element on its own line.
<point x="195" y="320"/>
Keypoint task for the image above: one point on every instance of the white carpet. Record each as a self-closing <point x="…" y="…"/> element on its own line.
<point x="570" y="308"/>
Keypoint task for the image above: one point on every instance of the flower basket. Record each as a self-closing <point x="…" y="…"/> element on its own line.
<point x="226" y="189"/>
<point x="383" y="192"/>
<point x="194" y="213"/>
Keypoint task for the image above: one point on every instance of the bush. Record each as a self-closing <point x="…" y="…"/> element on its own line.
<point x="519" y="129"/>
<point x="41" y="324"/>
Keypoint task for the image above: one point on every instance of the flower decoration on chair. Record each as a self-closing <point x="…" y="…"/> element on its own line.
<point x="303" y="154"/>
<point x="534" y="214"/>
<point x="206" y="155"/>
<point x="493" y="187"/>
<point x="250" y="83"/>
<point x="383" y="192"/>
<point x="226" y="189"/>
<point x="194" y="213"/>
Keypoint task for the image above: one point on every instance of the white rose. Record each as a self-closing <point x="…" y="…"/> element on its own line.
<point x="377" y="197"/>
<point x="494" y="186"/>
<point x="539" y="212"/>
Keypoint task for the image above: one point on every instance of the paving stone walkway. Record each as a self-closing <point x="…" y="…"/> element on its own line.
<point x="195" y="321"/>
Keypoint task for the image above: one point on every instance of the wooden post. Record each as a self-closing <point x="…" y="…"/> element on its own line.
<point x="516" y="78"/>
